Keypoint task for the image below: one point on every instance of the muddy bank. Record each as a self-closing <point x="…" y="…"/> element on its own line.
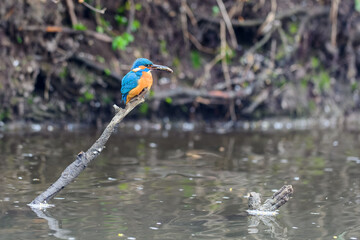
<point x="62" y="61"/>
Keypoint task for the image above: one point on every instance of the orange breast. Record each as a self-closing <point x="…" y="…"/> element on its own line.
<point x="145" y="81"/>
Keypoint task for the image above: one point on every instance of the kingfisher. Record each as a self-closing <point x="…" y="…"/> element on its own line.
<point x="139" y="78"/>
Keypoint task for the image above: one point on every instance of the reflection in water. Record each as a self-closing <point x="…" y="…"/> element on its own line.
<point x="176" y="185"/>
<point x="53" y="224"/>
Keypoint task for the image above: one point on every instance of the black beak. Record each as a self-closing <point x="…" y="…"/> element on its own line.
<point x="160" y="67"/>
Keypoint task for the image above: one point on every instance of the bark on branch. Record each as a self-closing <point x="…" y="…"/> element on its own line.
<point x="84" y="158"/>
<point x="279" y="198"/>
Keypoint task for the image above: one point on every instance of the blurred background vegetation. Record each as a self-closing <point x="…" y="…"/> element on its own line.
<point x="232" y="59"/>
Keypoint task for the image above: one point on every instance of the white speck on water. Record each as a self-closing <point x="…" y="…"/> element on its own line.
<point x="278" y="125"/>
<point x="154" y="228"/>
<point x="274" y="190"/>
<point x="314" y="213"/>
<point x="180" y="189"/>
<point x="137" y="127"/>
<point x="153" y="145"/>
<point x="50" y="128"/>
<point x="27" y="155"/>
<point x="218" y="202"/>
<point x="353" y="159"/>
<point x="167" y="126"/>
<point x="131" y="238"/>
<point x="158" y="223"/>
<point x="191" y="179"/>
<point x="20" y="178"/>
<point x="265" y="125"/>
<point x="36" y="127"/>
<point x="226" y="198"/>
<point x="111" y="179"/>
<point x="296" y="178"/>
<point x="353" y="238"/>
<point x="284" y="160"/>
<point x="16" y="63"/>
<point x="295" y="228"/>
<point x="335" y="143"/>
<point x="328" y="169"/>
<point x="188" y="126"/>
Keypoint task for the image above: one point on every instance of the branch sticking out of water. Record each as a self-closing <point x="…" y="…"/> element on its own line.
<point x="84" y="158"/>
<point x="279" y="198"/>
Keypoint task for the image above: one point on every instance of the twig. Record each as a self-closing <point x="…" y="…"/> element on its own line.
<point x="334" y="19"/>
<point x="256" y="22"/>
<point x="226" y="69"/>
<point x="258" y="100"/>
<point x="73" y="17"/>
<point x="311" y="14"/>
<point x="83" y="159"/>
<point x="267" y="25"/>
<point x="184" y="27"/>
<point x="190" y="13"/>
<point x="102" y="11"/>
<point x="262" y="42"/>
<point x="201" y="80"/>
<point x="199" y="46"/>
<point x="131" y="16"/>
<point x="227" y="20"/>
<point x="194" y="93"/>
<point x="57" y="29"/>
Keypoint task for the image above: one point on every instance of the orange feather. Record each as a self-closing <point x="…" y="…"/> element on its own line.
<point x="145" y="81"/>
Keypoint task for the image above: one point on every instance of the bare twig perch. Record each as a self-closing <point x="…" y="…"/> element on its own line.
<point x="279" y="198"/>
<point x="84" y="158"/>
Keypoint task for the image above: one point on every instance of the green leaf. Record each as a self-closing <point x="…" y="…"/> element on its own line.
<point x="120" y="42"/>
<point x="195" y="59"/>
<point x="135" y="25"/>
<point x="88" y="96"/>
<point x="315" y="62"/>
<point x="138" y="6"/>
<point x="122" y="20"/>
<point x="293" y="28"/>
<point x="107" y="72"/>
<point x="123" y="186"/>
<point x="357" y="5"/>
<point x="144" y="108"/>
<point x="168" y="100"/>
<point x="19" y="39"/>
<point x="99" y="29"/>
<point x="215" y="10"/>
<point x="79" y="27"/>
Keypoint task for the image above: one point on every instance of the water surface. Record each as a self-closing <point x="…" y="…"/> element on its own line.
<point x="182" y="185"/>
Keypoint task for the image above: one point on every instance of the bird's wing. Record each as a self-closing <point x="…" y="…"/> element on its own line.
<point x="129" y="81"/>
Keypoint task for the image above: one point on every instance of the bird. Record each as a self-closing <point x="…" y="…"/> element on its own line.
<point x="139" y="78"/>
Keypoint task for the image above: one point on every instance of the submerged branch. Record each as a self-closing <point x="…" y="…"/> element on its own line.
<point x="84" y="158"/>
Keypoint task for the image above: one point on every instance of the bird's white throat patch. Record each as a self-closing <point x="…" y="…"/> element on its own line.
<point x="136" y="69"/>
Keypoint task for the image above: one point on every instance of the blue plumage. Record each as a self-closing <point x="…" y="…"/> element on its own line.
<point x="141" y="62"/>
<point x="131" y="79"/>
